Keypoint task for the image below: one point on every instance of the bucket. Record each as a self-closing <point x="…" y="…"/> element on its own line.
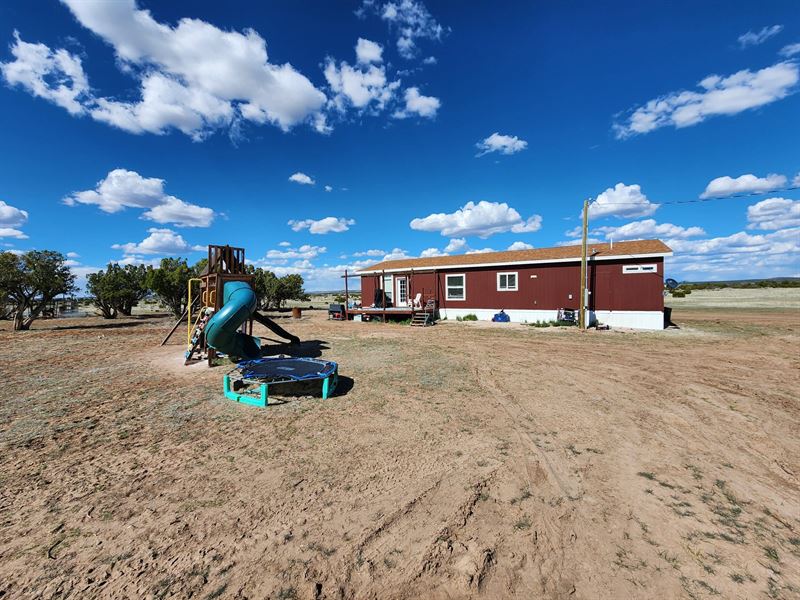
<point x="296" y="312"/>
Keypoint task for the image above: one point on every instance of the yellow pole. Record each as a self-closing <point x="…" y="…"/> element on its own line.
<point x="189" y="314"/>
<point x="582" y="316"/>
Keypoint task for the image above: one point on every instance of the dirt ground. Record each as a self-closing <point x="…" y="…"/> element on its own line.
<point x="464" y="460"/>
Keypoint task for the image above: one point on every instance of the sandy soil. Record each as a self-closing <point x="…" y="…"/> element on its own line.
<point x="457" y="461"/>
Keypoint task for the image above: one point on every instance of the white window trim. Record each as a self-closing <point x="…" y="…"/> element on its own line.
<point x="638" y="269"/>
<point x="447" y="286"/>
<point x="508" y="289"/>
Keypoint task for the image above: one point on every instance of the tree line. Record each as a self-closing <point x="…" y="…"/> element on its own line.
<point x="31" y="281"/>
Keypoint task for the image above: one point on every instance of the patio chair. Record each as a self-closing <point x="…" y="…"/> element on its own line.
<point x="418" y="300"/>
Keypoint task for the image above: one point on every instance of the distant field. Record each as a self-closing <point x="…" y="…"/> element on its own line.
<point x="738" y="298"/>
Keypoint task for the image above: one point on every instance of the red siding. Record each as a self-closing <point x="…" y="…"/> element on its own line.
<point x="545" y="287"/>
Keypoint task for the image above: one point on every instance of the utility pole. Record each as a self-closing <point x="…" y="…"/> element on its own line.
<point x="582" y="316"/>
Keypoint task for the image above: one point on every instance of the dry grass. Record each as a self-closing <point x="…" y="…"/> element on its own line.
<point x="461" y="461"/>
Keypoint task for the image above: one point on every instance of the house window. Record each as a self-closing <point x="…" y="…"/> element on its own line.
<point x="649" y="268"/>
<point x="506" y="282"/>
<point x="456" y="287"/>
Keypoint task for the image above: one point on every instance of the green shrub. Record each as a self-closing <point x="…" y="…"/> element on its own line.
<point x="678" y="294"/>
<point x="470" y="317"/>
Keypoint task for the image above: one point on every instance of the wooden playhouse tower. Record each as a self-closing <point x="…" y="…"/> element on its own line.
<point x="225" y="264"/>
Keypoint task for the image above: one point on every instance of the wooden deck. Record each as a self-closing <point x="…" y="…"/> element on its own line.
<point x="393" y="311"/>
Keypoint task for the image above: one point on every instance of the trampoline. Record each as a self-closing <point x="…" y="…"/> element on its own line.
<point x="240" y="383"/>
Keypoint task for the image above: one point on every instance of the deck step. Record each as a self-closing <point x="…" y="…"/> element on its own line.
<point x="421" y="320"/>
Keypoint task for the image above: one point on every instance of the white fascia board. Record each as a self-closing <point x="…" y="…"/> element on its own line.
<point x="515" y="263"/>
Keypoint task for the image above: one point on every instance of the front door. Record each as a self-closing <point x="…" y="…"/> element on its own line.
<point x="401" y="290"/>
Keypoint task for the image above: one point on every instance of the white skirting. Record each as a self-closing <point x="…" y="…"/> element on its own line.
<point x="632" y="319"/>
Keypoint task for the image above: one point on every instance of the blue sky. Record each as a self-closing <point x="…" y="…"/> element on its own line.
<point x="325" y="135"/>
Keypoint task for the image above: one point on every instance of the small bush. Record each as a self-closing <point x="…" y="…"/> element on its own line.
<point x="678" y="294"/>
<point x="470" y="317"/>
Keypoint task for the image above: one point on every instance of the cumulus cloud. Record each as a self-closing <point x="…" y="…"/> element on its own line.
<point x="373" y="252"/>
<point x="301" y="178"/>
<point x="363" y="87"/>
<point x="774" y="213"/>
<point x="11" y="216"/>
<point x="160" y="241"/>
<point x="11" y="232"/>
<point x="738" y="255"/>
<point x="729" y="95"/>
<point x="417" y="104"/>
<point x="518" y="245"/>
<point x="646" y="229"/>
<point x="122" y="189"/>
<point x="504" y="144"/>
<point x="328" y="188"/>
<point x="409" y="19"/>
<point x="368" y="51"/>
<point x="56" y="76"/>
<point x="430" y="252"/>
<point x="304" y="252"/>
<point x="457" y="245"/>
<point x="756" y="38"/>
<point x="790" y="50"/>
<point x="480" y="219"/>
<point x="193" y="77"/>
<point x="322" y="226"/>
<point x="396" y="254"/>
<point x="722" y="187"/>
<point x="624" y="201"/>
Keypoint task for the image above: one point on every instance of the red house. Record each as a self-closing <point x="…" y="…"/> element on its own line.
<point x="625" y="281"/>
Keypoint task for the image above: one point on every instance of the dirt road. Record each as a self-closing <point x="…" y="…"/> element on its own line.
<point x="458" y="461"/>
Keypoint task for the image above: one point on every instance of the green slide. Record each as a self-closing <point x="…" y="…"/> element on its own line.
<point x="222" y="331"/>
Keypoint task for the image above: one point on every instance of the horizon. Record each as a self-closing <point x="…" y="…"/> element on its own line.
<point x="329" y="137"/>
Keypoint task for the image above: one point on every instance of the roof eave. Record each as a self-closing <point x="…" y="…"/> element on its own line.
<point x="518" y="262"/>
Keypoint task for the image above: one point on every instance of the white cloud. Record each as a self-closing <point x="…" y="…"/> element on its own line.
<point x="431" y="60"/>
<point x="301" y="178"/>
<point x="396" y="254"/>
<point x="322" y="226"/>
<point x="759" y="37"/>
<point x="160" y="241"/>
<point x="12" y="233"/>
<point x="719" y="96"/>
<point x="363" y="87"/>
<point x="457" y="245"/>
<point x="796" y="181"/>
<point x="722" y="187"/>
<point x="409" y="19"/>
<point x="480" y="250"/>
<point x="328" y="188"/>
<point x="622" y="201"/>
<point x="73" y="255"/>
<point x="482" y="219"/>
<point x="646" y="229"/>
<point x="790" y="50"/>
<point x="738" y="255"/>
<point x="122" y="189"/>
<point x="56" y="76"/>
<point x="520" y="246"/>
<point x="774" y="213"/>
<point x="10" y="216"/>
<point x="193" y="77"/>
<point x="417" y="104"/>
<point x="504" y="144"/>
<point x="284" y="244"/>
<point x="374" y="252"/>
<point x="368" y="51"/>
<point x="430" y="252"/>
<point x="305" y="252"/>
